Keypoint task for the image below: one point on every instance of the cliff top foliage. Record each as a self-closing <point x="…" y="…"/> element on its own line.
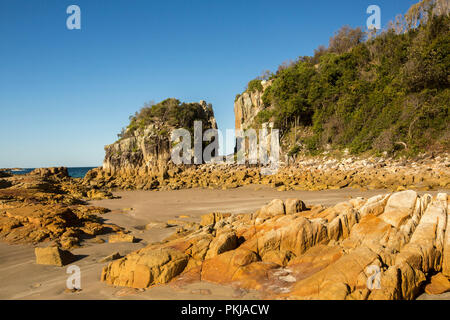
<point x="255" y="85"/>
<point x="366" y="92"/>
<point x="170" y="113"/>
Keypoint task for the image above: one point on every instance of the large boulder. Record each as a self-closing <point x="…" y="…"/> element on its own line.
<point x="222" y="268"/>
<point x="53" y="256"/>
<point x="121" y="237"/>
<point x="338" y="280"/>
<point x="375" y="205"/>
<point x="212" y="218"/>
<point x="399" y="207"/>
<point x="439" y="284"/>
<point x="145" y="267"/>
<point x="274" y="208"/>
<point x="294" y="206"/>
<point x="222" y="243"/>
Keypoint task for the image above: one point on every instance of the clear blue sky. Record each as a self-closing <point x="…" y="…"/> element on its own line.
<point x="64" y="94"/>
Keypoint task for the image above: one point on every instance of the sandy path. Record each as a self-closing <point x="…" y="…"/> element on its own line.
<point x="21" y="278"/>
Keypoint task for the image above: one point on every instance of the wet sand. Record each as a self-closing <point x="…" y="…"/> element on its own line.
<point x="22" y="278"/>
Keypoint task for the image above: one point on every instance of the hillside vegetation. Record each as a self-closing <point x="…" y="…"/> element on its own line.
<point x="368" y="93"/>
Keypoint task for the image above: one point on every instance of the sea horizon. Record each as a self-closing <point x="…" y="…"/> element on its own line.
<point x="74" y="172"/>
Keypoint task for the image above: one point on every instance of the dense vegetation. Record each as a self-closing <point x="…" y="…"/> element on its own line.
<point x="168" y="113"/>
<point x="383" y="93"/>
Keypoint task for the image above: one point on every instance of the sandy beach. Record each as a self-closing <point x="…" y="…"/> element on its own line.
<point x="22" y="278"/>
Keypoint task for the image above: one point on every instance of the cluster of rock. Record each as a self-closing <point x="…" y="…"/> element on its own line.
<point x="386" y="247"/>
<point x="310" y="174"/>
<point x="53" y="173"/>
<point x="46" y="205"/>
<point x="4" y="174"/>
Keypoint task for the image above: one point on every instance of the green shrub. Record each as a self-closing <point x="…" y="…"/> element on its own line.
<point x="254" y="85"/>
<point x="170" y="112"/>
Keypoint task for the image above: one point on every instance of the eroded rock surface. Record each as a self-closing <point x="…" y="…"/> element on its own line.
<point x="386" y="247"/>
<point x="47" y="205"/>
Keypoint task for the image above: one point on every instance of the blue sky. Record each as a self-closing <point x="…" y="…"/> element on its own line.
<point x="64" y="94"/>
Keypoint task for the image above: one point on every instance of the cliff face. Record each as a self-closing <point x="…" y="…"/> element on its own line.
<point x="146" y="150"/>
<point x="248" y="105"/>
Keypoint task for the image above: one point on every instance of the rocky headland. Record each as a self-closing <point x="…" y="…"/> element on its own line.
<point x="143" y="148"/>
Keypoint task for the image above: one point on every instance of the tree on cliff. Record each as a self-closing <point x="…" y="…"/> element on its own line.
<point x="167" y="114"/>
<point x="345" y="39"/>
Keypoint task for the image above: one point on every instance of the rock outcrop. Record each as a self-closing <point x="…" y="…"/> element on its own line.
<point x="55" y="172"/>
<point x="145" y="150"/>
<point x="47" y="205"/>
<point x="386" y="247"/>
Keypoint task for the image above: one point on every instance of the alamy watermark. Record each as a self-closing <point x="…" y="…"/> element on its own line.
<point x="374" y="20"/>
<point x="73" y="282"/>
<point x="74" y="20"/>
<point x="374" y="279"/>
<point x="255" y="148"/>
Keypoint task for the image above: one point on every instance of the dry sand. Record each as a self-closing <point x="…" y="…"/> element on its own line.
<point x="22" y="278"/>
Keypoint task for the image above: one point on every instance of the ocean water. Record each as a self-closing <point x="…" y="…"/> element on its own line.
<point x="78" y="172"/>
